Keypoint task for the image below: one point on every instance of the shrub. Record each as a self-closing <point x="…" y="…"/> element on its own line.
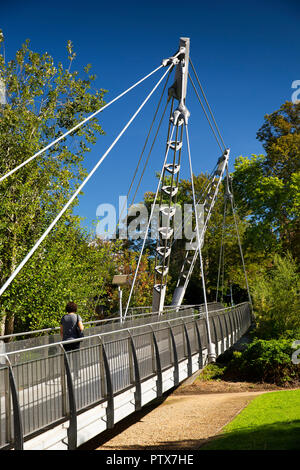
<point x="265" y="361"/>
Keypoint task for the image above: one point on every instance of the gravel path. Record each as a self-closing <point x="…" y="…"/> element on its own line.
<point x="184" y="420"/>
<point x="181" y="422"/>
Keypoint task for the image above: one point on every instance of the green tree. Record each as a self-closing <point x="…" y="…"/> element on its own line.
<point x="70" y="266"/>
<point x="126" y="263"/>
<point x="275" y="292"/>
<point x="43" y="101"/>
<point x="267" y="187"/>
<point x="280" y="137"/>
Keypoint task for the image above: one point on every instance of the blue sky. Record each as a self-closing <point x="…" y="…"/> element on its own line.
<point x="246" y="55"/>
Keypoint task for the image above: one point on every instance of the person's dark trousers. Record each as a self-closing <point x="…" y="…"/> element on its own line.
<point x="75" y="358"/>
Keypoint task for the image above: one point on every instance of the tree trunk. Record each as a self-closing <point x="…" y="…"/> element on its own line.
<point x="9" y="323"/>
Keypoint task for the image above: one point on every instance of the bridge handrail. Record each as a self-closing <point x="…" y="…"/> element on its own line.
<point x="195" y="315"/>
<point x="104" y="320"/>
<point x="40" y="392"/>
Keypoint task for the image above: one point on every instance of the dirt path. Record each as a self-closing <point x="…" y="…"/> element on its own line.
<point x="184" y="420"/>
<point x="181" y="422"/>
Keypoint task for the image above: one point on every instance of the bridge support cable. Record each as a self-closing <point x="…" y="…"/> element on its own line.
<point x="77" y="126"/>
<point x="148" y="156"/>
<point x="231" y="198"/>
<point x="211" y="346"/>
<point x="144" y="147"/>
<point x="149" y="153"/>
<point x="81" y="186"/>
<point x="147" y="228"/>
<point x="206" y="115"/>
<point x="221" y="255"/>
<point x="228" y="196"/>
<point x="192" y="251"/>
<point x="203" y="195"/>
<point x="207" y="104"/>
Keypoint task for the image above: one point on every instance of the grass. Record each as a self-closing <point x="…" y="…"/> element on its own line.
<point x="270" y="422"/>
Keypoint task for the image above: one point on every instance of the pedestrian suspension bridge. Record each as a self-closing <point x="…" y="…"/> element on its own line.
<point x="53" y="399"/>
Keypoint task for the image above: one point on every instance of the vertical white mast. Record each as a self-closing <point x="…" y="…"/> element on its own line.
<point x="169" y="185"/>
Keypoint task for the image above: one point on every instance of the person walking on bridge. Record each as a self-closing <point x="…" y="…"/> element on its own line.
<point x="70" y="323"/>
<point x="70" y="328"/>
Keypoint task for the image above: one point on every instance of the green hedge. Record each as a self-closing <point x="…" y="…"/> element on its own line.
<point x="265" y="361"/>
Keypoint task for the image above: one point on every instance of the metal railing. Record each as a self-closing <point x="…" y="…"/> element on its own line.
<point x="136" y="316"/>
<point x="44" y="385"/>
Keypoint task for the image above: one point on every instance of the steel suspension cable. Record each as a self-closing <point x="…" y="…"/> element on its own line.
<point x="206" y="101"/>
<point x="223" y="274"/>
<point x="34" y="248"/>
<point x="144" y="147"/>
<point x="204" y="191"/>
<point x="77" y="125"/>
<point x="221" y="256"/>
<point x="198" y="233"/>
<point x="239" y="240"/>
<point x="205" y="224"/>
<point x="147" y="229"/>
<point x="145" y="165"/>
<point x="147" y="160"/>
<point x="206" y="115"/>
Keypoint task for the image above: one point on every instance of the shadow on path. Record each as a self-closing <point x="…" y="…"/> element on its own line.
<point x="275" y="436"/>
<point x="122" y="425"/>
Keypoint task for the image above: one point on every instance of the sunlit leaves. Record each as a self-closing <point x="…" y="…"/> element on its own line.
<point x="44" y="100"/>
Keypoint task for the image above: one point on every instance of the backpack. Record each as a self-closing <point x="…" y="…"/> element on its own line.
<point x="79" y="332"/>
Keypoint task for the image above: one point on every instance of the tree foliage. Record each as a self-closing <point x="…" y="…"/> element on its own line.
<point x="276" y="298"/>
<point x="43" y="100"/>
<point x="267" y="187"/>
